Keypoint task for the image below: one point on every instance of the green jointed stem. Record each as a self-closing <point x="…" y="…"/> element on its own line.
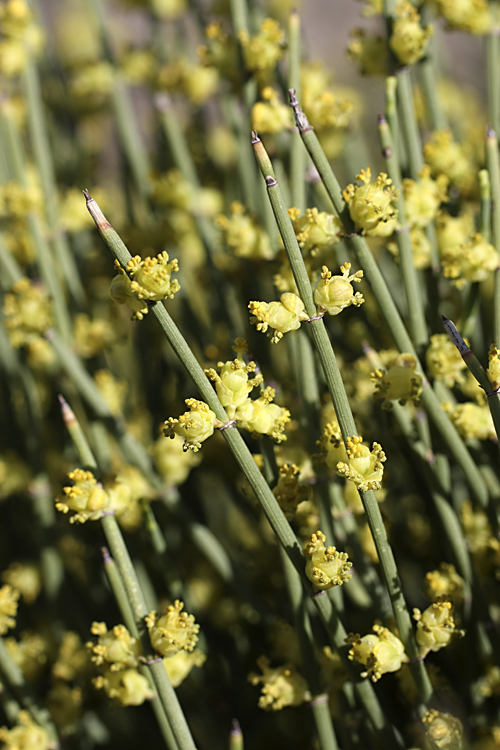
<point x="245" y="461"/>
<point x="347" y="426"/>
<point x="298" y="153"/>
<point x="387" y="306"/>
<point x="493" y="165"/>
<point x="416" y="315"/>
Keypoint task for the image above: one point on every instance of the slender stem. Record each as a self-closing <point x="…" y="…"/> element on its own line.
<point x="44" y="256"/>
<point x="428" y="73"/>
<point x="297" y="151"/>
<point x="43" y="157"/>
<point x="418" y="325"/>
<point x="493" y="78"/>
<point x="408" y="122"/>
<point x="493" y="165"/>
<point x="388" y="308"/>
<point x="346" y="423"/>
<point x="485" y="196"/>
<point x="391" y="113"/>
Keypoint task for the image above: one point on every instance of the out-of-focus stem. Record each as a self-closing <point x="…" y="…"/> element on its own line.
<point x="408" y="122"/>
<point x="43" y="158"/>
<point x="416" y="315"/>
<point x="485" y="197"/>
<point x="493" y="165"/>
<point x="298" y="153"/>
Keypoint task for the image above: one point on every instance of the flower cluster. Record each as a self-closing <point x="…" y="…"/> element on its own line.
<point x="371" y="203"/>
<point x="172" y="632"/>
<point x="21" y="37"/>
<point x="27" y="311"/>
<point x="262" y="51"/>
<point x="443" y="731"/>
<point x="281" y="686"/>
<point x="233" y="384"/>
<point x="334" y="293"/>
<point x="278" y="317"/>
<point x="195" y="425"/>
<point x="325" y="567"/>
<point x="243" y="236"/>
<point x="380" y="652"/>
<point x="399" y="383"/>
<point x="86" y="498"/>
<point x="151" y="282"/>
<point x="271" y="115"/>
<point x="409" y="40"/>
<point x="364" y="467"/>
<point x="316" y="231"/>
<point x="289" y="492"/>
<point x="435" y="627"/>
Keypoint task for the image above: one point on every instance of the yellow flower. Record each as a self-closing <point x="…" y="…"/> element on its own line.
<point x="261" y="417"/>
<point x="424" y="196"/>
<point x="271" y="115"/>
<point x="444" y="582"/>
<point x="280" y="317"/>
<point x="172" y="462"/>
<point x="473" y="261"/>
<point x="243" y="236"/>
<point x="195" y="425"/>
<point x="26" y="578"/>
<point x="325" y="567"/>
<point x="420" y="246"/>
<point x="473" y="421"/>
<point x="262" y="51"/>
<point x="28" y="312"/>
<point x="435" y="627"/>
<point x="371" y="202"/>
<point x="334" y="293"/>
<point x="493" y="371"/>
<point x="151" y="282"/>
<point x="316" y="231"/>
<point x="172" y="632"/>
<point x="8" y="608"/>
<point x="446" y="156"/>
<point x="129" y="687"/>
<point x="370" y="52"/>
<point x="29" y="653"/>
<point x="180" y="665"/>
<point x="92" y="336"/>
<point x="380" y="652"/>
<point x="444" y="361"/>
<point x="115" y="648"/>
<point x="364" y="468"/>
<point x="443" y="731"/>
<point x="233" y="384"/>
<point x="289" y="492"/>
<point x="87" y="498"/>
<point x="409" y="40"/>
<point x="281" y="686"/>
<point x="400" y="383"/>
<point x="473" y="16"/>
<point x="26" y="735"/>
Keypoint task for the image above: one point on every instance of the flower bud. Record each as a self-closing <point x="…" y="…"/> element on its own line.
<point x="409" y="40"/>
<point x="435" y="627"/>
<point x="281" y="317"/>
<point x="115" y="648"/>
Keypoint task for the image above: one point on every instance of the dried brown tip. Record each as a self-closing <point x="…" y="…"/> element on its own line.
<point x="106" y="557"/>
<point x="255" y="137"/>
<point x="490" y="133"/>
<point x="270" y="181"/>
<point x="99" y="219"/>
<point x="66" y="411"/>
<point x="236" y="729"/>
